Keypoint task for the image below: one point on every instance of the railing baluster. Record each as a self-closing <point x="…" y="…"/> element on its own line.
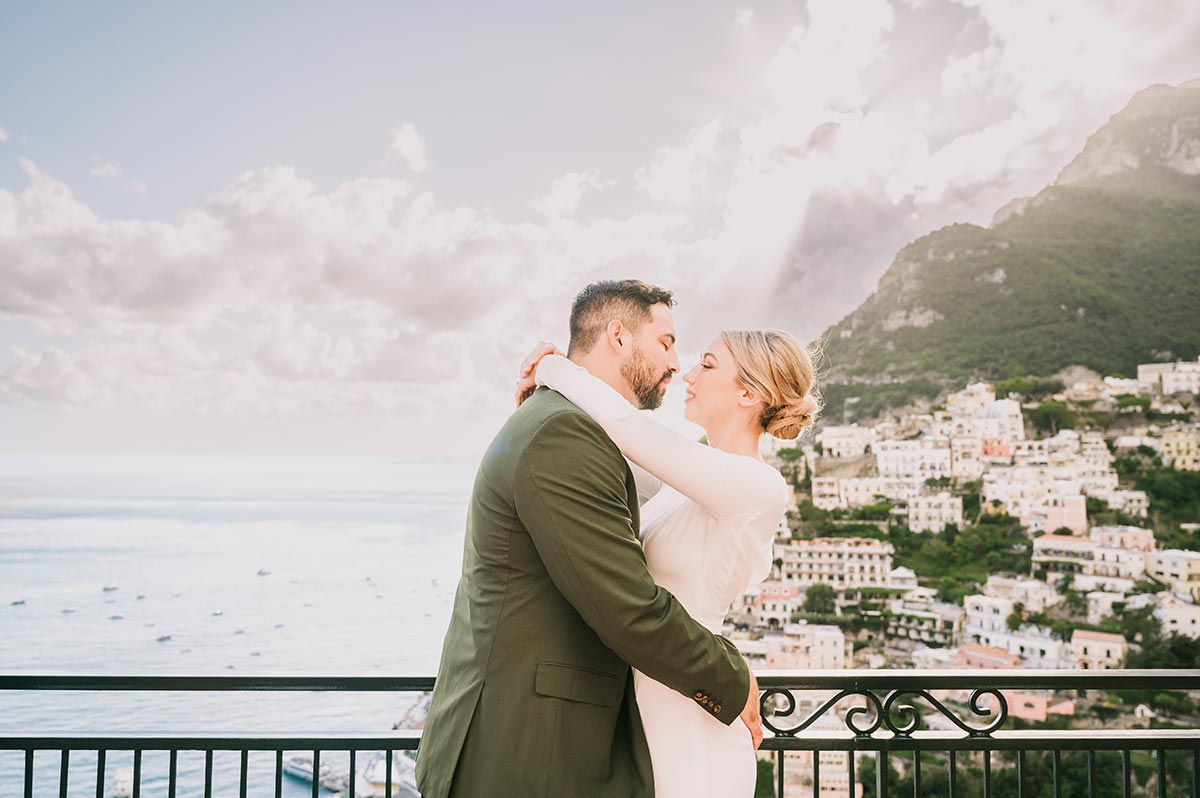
<point x="1162" y="773"/>
<point x="779" y="774"/>
<point x="64" y="773"/>
<point x="850" y="770"/>
<point x="1126" y="774"/>
<point x="953" y="774"/>
<point x="208" y="763"/>
<point x="881" y="774"/>
<point x="279" y="774"/>
<point x="316" y="775"/>
<point x="1057" y="768"/>
<point x="245" y="769"/>
<point x="389" y="775"/>
<point x="29" y="774"/>
<point x="100" y="773"/>
<point x="137" y="773"/>
<point x="1021" y="773"/>
<point x="816" y="774"/>
<point x="1196" y="773"/>
<point x="917" y="773"/>
<point x="352" y="774"/>
<point x="173" y="773"/>
<point x="1091" y="773"/>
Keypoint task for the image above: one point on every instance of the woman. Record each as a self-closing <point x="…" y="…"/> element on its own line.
<point x="708" y="518"/>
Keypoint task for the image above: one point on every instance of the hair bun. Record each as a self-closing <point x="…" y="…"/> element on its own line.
<point x="787" y="422"/>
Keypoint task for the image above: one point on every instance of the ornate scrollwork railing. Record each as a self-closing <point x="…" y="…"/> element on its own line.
<point x="900" y="719"/>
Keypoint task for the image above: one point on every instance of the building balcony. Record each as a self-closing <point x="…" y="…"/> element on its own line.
<point x="896" y="726"/>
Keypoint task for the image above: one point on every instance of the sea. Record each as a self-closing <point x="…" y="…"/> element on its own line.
<point x="211" y="567"/>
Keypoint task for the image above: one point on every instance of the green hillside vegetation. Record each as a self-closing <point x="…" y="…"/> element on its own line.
<point x="1096" y="271"/>
<point x="1104" y="275"/>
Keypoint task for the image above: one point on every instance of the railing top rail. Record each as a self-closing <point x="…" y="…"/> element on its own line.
<point x="965" y="679"/>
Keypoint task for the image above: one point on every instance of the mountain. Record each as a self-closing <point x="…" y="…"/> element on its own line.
<point x="1101" y="269"/>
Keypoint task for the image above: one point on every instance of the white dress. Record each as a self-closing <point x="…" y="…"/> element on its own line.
<point x="708" y="519"/>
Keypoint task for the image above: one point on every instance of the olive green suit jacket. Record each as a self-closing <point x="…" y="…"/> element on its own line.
<point x="534" y="694"/>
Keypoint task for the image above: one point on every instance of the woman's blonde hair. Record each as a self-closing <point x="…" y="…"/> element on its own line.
<point x="778" y="369"/>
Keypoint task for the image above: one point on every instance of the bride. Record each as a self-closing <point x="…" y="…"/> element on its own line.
<point x="709" y="516"/>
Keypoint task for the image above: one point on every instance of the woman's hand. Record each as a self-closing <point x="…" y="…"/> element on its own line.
<point x="525" y="382"/>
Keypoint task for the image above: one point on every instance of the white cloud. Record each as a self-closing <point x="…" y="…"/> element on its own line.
<point x="3" y="135"/>
<point x="408" y="146"/>
<point x="745" y="17"/>
<point x="562" y="200"/>
<point x="678" y="174"/>
<point x="114" y="171"/>
<point x="371" y="299"/>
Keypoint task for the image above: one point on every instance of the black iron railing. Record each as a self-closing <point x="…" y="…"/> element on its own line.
<point x="893" y="732"/>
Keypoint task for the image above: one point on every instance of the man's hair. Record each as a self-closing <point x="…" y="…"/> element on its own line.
<point x="628" y="301"/>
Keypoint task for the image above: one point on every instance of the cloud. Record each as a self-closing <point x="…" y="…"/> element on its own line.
<point x="375" y="298"/>
<point x="114" y="171"/>
<point x="745" y="17"/>
<point x="564" y="195"/>
<point x="408" y="146"/>
<point x="3" y="135"/>
<point x="678" y="174"/>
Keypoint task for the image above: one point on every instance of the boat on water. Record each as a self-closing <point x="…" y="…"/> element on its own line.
<point x="371" y="779"/>
<point x="300" y="766"/>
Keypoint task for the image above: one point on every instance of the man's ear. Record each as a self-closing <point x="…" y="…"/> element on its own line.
<point x="615" y="335"/>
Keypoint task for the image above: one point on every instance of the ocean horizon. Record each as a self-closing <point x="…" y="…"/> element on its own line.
<point x="219" y="566"/>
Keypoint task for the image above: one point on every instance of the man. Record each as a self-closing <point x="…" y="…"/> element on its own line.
<point x="534" y="694"/>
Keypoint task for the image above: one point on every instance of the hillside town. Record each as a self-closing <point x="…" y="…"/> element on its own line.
<point x="1000" y="529"/>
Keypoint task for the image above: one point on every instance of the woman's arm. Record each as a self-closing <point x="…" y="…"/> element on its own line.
<point x="723" y="483"/>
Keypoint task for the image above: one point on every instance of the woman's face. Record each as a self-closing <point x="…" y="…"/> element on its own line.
<point x="713" y="390"/>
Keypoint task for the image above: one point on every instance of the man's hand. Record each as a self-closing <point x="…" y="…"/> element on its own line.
<point x="750" y="715"/>
<point x="525" y="381"/>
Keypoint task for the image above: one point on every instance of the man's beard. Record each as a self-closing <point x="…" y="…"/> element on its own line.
<point x="645" y="382"/>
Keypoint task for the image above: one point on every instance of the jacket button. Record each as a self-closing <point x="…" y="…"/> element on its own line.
<point x="700" y="696"/>
<point x="717" y="709"/>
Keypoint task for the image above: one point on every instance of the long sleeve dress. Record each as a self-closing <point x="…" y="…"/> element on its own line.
<point x="708" y="521"/>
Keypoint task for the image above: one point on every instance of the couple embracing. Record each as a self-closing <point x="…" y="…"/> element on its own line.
<point x="602" y="552"/>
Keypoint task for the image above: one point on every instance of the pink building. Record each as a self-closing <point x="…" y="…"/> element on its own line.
<point x="1130" y="538"/>
<point x="996" y="450"/>
<point x="1069" y="512"/>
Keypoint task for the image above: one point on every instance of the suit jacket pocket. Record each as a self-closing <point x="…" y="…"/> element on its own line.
<point x="578" y="684"/>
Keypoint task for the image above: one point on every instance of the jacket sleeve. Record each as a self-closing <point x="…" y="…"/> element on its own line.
<point x="725" y="484"/>
<point x="570" y="495"/>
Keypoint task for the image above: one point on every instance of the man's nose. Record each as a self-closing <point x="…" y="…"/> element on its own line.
<point x="673" y="362"/>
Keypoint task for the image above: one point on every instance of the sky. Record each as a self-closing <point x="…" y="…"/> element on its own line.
<point x="317" y="229"/>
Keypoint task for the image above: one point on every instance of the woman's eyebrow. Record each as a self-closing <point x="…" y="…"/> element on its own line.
<point x="709" y="354"/>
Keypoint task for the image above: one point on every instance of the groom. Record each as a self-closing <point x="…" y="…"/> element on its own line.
<point x="534" y="695"/>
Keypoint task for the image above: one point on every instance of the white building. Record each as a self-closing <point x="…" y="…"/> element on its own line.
<point x="808" y="647"/>
<point x="966" y="458"/>
<point x="1177" y="568"/>
<point x="918" y="617"/>
<point x="842" y="563"/>
<point x="1181" y="449"/>
<point x="1100" y="605"/>
<point x="1097" y="650"/>
<point x="921" y="459"/>
<point x="1032" y="594"/>
<point x="846" y="441"/>
<point x="987" y="624"/>
<point x="933" y="513"/>
<point x="1184" y="378"/>
<point x="1131" y="502"/>
<point x="1178" y="617"/>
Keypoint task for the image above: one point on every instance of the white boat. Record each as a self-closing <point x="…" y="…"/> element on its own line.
<point x="371" y="781"/>
<point x="300" y="766"/>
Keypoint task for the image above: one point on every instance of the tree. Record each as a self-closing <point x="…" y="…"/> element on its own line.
<point x="1052" y="416"/>
<point x="820" y="599"/>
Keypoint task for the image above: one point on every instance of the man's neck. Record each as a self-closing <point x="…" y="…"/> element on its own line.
<point x="608" y="370"/>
